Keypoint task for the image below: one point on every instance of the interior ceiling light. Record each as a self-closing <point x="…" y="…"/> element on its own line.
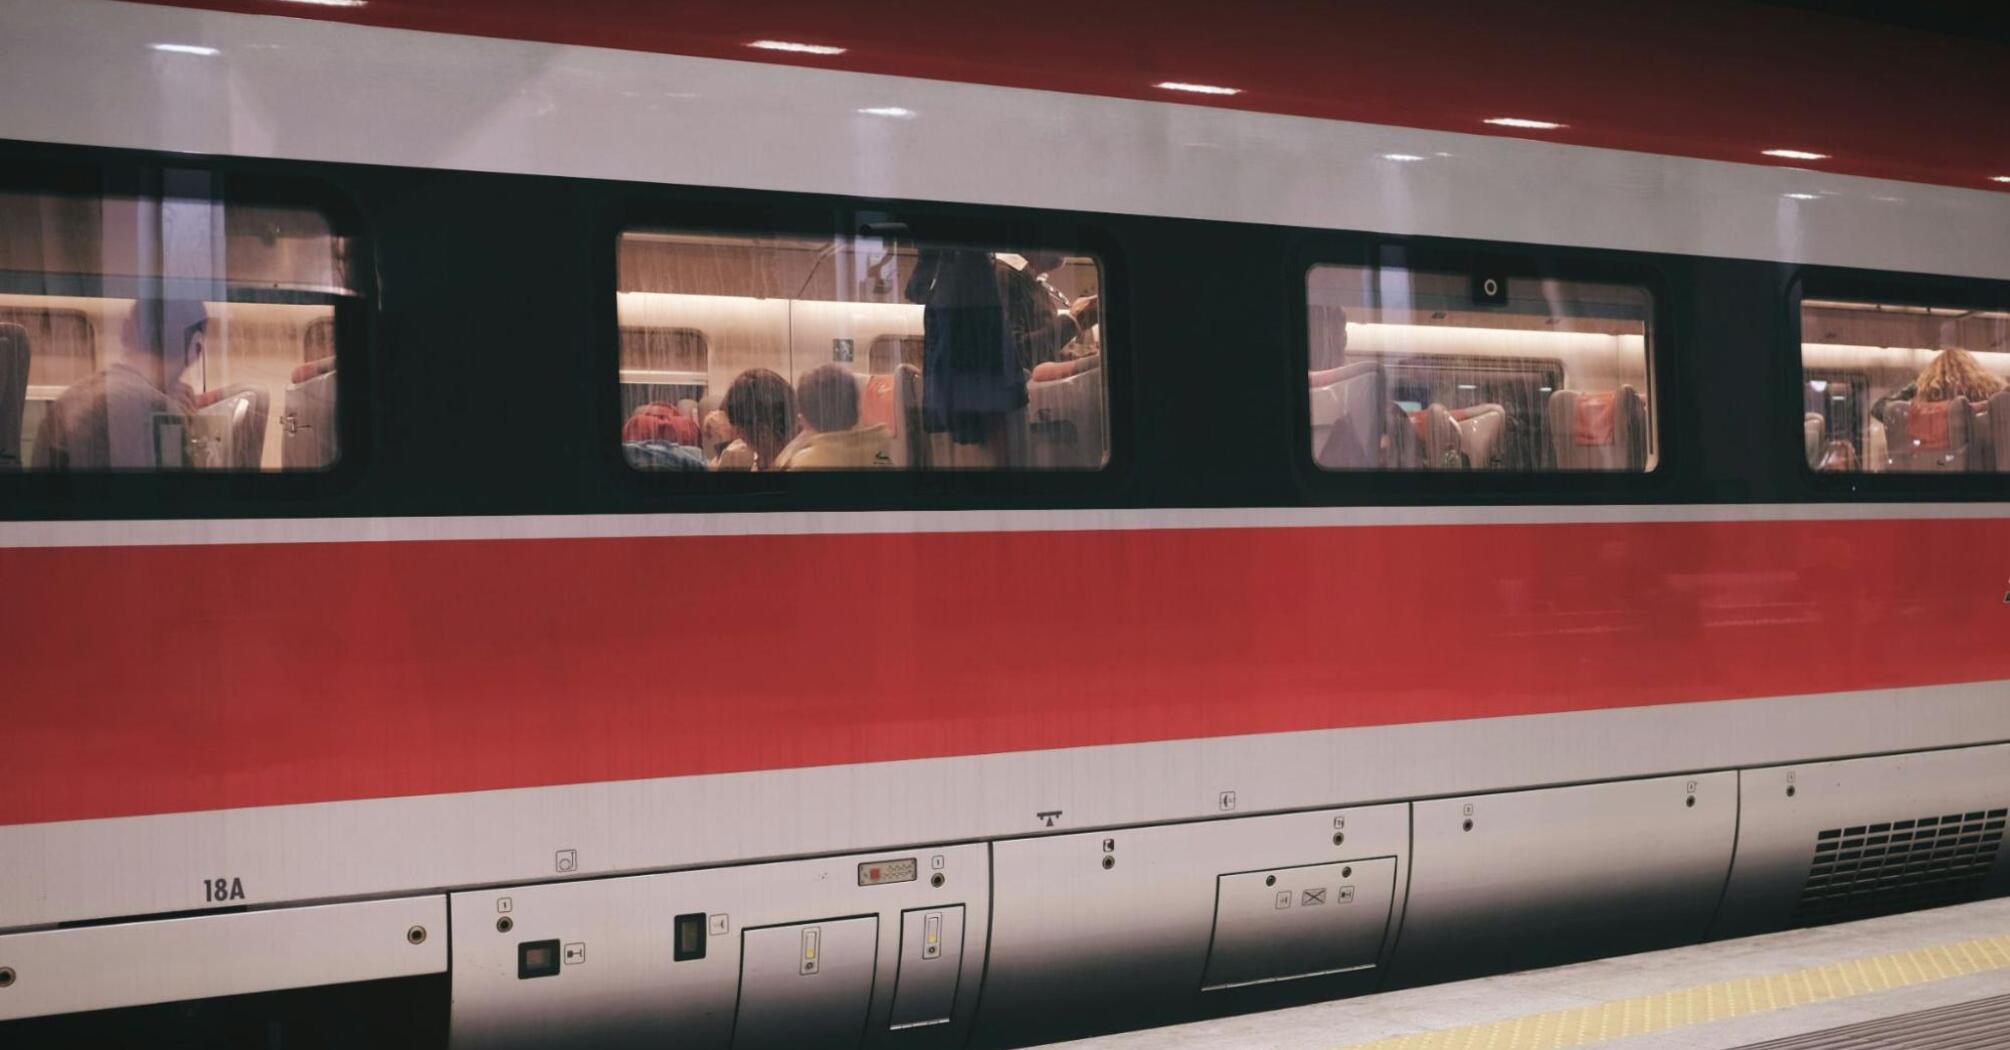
<point x="1524" y="122"/>
<point x="1795" y="154"/>
<point x="1197" y="89"/>
<point x="185" y="49"/>
<point x="797" y="48"/>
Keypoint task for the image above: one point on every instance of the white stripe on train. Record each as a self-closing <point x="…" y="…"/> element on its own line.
<point x="224" y="531"/>
<point x="315" y="90"/>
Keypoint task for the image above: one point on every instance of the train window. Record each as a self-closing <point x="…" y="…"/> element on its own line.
<point x="1905" y="388"/>
<point x="174" y="330"/>
<point x="858" y="351"/>
<point x="1412" y="370"/>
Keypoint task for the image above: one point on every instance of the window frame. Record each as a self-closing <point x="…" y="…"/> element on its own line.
<point x="1675" y="458"/>
<point x="753" y="213"/>
<point x="99" y="172"/>
<point x="1898" y="289"/>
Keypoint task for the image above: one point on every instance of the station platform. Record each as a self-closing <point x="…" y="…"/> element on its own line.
<point x="1924" y="980"/>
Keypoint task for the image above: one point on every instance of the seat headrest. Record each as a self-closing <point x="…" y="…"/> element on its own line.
<point x="1597" y="419"/>
<point x="311" y="369"/>
<point x="1927" y="424"/>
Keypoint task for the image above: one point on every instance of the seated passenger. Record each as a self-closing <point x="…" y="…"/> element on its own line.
<point x="831" y="437"/>
<point x="714" y="434"/>
<point x="658" y="437"/>
<point x="762" y="410"/>
<point x="135" y="413"/>
<point x="1952" y="373"/>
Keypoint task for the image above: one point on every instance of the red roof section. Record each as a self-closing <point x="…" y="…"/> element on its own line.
<point x="1718" y="79"/>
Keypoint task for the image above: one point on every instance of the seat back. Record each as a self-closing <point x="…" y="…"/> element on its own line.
<point x="1598" y="430"/>
<point x="1439" y="433"/>
<point x="1480" y="430"/>
<point x="876" y="407"/>
<point x="229" y="432"/>
<point x="307" y="422"/>
<point x="1814" y="436"/>
<point x="1347" y="416"/>
<point x="1065" y="421"/>
<point x="1930" y="437"/>
<point x="911" y="446"/>
<point x="13" y="393"/>
<point x="1999" y="431"/>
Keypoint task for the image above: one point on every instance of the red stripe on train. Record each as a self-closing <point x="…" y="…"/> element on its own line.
<point x="1708" y="78"/>
<point x="148" y="680"/>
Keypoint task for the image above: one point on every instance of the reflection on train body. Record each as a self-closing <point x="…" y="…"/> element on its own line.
<point x="959" y="357"/>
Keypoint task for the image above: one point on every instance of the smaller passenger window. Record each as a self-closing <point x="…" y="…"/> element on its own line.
<point x="1414" y="370"/>
<point x="175" y="331"/>
<point x="1904" y="388"/>
<point x="858" y="351"/>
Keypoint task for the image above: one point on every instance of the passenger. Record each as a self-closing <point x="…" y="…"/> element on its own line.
<point x="831" y="437"/>
<point x="134" y="414"/>
<point x="715" y="433"/>
<point x="762" y="409"/>
<point x="658" y="437"/>
<point x="1952" y="373"/>
<point x="1042" y="323"/>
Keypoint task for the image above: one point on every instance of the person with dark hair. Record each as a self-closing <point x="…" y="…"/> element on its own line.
<point x="135" y="413"/>
<point x="985" y="325"/>
<point x="831" y="437"/>
<point x="762" y="409"/>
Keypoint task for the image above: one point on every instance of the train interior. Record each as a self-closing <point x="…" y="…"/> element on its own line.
<point x="697" y="311"/>
<point x="1862" y="366"/>
<point x="1415" y="370"/>
<point x="81" y="280"/>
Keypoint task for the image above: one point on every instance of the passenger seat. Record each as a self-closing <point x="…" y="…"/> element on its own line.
<point x="1999" y="430"/>
<point x="1064" y="416"/>
<point x="13" y="393"/>
<point x="1347" y="416"/>
<point x="1598" y="430"/>
<point x="1934" y="437"/>
<point x="1814" y="437"/>
<point x="1480" y="430"/>
<point x="911" y="446"/>
<point x="228" y="429"/>
<point x="307" y="424"/>
<point x="1443" y="447"/>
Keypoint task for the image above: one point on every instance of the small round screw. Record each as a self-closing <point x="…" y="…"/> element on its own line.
<point x="1109" y="862"/>
<point x="416" y="935"/>
<point x="1790" y="791"/>
<point x="1469" y="823"/>
<point x="936" y="880"/>
<point x="1339" y="837"/>
<point x="6" y="977"/>
<point x="1346" y="872"/>
<point x="1691" y="803"/>
<point x="1270" y="880"/>
<point x="505" y="924"/>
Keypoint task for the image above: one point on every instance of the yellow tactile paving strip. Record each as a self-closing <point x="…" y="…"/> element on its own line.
<point x="1584" y="1025"/>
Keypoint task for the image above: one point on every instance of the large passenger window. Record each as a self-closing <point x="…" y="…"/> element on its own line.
<point x="166" y="331"/>
<point x="1413" y="370"/>
<point x="859" y="351"/>
<point x="1904" y="388"/>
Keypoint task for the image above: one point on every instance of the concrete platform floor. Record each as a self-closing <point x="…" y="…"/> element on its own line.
<point x="1715" y="996"/>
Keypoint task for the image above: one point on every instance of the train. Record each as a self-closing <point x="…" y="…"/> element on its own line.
<point x="848" y="526"/>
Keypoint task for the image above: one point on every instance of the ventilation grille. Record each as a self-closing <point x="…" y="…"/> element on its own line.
<point x="1899" y="865"/>
<point x="1966" y="1026"/>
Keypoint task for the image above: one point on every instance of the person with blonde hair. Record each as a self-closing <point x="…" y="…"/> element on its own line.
<point x="1952" y="373"/>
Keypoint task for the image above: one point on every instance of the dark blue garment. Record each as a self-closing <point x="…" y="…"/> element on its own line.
<point x="971" y="371"/>
<point x="662" y="455"/>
